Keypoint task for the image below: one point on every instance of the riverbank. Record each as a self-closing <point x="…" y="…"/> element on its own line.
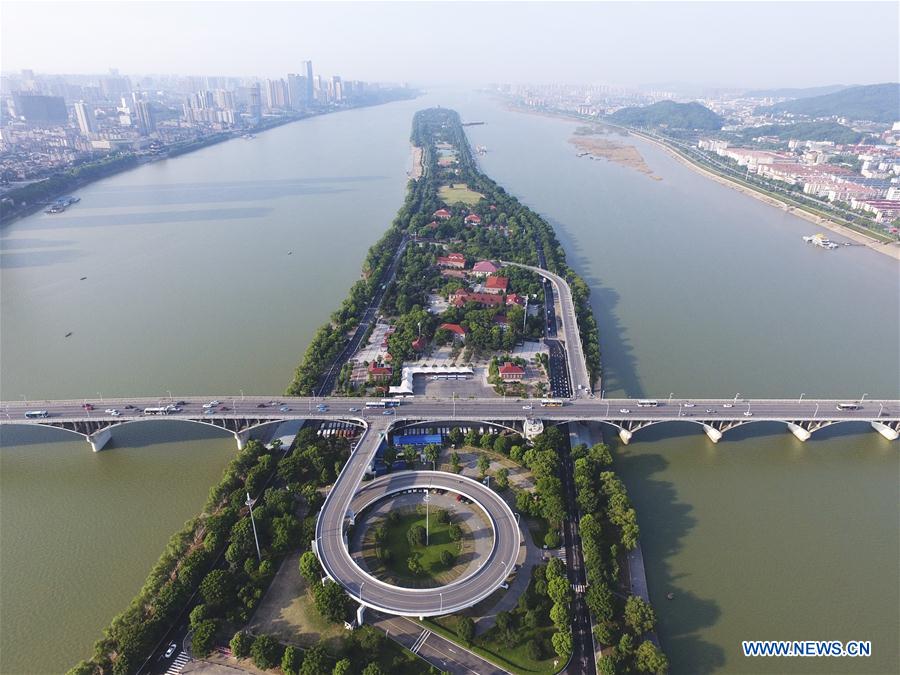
<point x="890" y="249"/>
<point x="33" y="204"/>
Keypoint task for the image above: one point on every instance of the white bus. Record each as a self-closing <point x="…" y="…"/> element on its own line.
<point x="647" y="403"/>
<point x="383" y="403"/>
<point x="848" y="406"/>
<point x="34" y="414"/>
<point x="165" y="410"/>
<point x="551" y="402"/>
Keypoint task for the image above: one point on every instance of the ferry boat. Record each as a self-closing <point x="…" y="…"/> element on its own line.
<point x="821" y="241"/>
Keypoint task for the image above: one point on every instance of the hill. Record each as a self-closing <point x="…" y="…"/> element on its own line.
<point x="805" y="92"/>
<point x="807" y="131"/>
<point x="874" y="102"/>
<point x="668" y="113"/>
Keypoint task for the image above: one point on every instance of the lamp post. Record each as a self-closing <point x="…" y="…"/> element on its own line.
<point x="171" y="398"/>
<point x="442" y="601"/>
<point x="801" y="397"/>
<point x="242" y="395"/>
<point x="249" y="503"/>
<point x="607" y="408"/>
<point x="736" y="397"/>
<point x="671" y="394"/>
<point x="100" y="394"/>
<point x="863" y="398"/>
<point x="880" y="410"/>
<point x="427" y="499"/>
<point x="817" y="410"/>
<point x="679" y="409"/>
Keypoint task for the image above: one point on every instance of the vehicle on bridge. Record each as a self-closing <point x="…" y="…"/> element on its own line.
<point x="162" y="410"/>
<point x="383" y="403"/>
<point x="848" y="406"/>
<point x="647" y="403"/>
<point x="552" y="402"/>
<point x="34" y="414"/>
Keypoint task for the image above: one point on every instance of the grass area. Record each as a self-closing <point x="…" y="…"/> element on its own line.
<point x="288" y="611"/>
<point x="537" y="528"/>
<point x="459" y="192"/>
<point x="394" y="568"/>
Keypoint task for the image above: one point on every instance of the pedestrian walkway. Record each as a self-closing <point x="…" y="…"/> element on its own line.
<point x="179" y="663"/>
<point x="417" y="645"/>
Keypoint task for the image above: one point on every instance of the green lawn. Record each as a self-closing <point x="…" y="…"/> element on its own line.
<point x="459" y="192"/>
<point x="396" y="569"/>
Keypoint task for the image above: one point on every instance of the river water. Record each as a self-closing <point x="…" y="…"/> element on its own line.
<point x="698" y="290"/>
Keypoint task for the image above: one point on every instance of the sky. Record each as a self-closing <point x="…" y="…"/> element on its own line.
<point x="732" y="44"/>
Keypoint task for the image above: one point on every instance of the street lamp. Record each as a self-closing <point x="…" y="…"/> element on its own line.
<point x="171" y="398"/>
<point x="249" y="503"/>
<point x="679" y="409"/>
<point x="863" y="398"/>
<point x="101" y="396"/>
<point x="242" y="395"/>
<point x="607" y="408"/>
<point x="817" y="410"/>
<point x="801" y="397"/>
<point x="670" y="396"/>
<point x="880" y="410"/>
<point x="736" y="397"/>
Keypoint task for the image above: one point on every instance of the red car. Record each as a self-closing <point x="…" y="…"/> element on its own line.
<point x="87" y="406"/>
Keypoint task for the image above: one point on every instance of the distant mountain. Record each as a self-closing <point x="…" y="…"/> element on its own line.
<point x="668" y="113"/>
<point x="807" y="131"/>
<point x="874" y="102"/>
<point x="797" y="93"/>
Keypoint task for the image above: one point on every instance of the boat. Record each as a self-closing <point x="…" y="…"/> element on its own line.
<point x="69" y="334"/>
<point x="82" y="278"/>
<point x="821" y="241"/>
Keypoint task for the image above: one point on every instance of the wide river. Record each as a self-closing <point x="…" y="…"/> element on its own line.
<point x="210" y="272"/>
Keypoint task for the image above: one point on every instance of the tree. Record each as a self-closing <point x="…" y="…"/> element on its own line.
<point x="331" y="601"/>
<point x="373" y="669"/>
<point x="607" y="665"/>
<point x="483" y="465"/>
<point x="198" y="614"/>
<point x="414" y="565"/>
<point x="562" y="642"/>
<point x="285" y="530"/>
<point x="291" y="660"/>
<point x="315" y="662"/>
<point x="216" y="588"/>
<point x="650" y="659"/>
<point x="442" y="516"/>
<point x="447" y="558"/>
<point x="501" y="478"/>
<point x="456" y="436"/>
<point x="455" y="532"/>
<point x="204" y="638"/>
<point x="551" y="539"/>
<point x="310" y="568"/>
<point x="487" y="442"/>
<point x="465" y="629"/>
<point x="626" y="644"/>
<point x="639" y="615"/>
<point x="455" y="464"/>
<point x="530" y="620"/>
<point x="502" y="444"/>
<point x="533" y="650"/>
<point x="432" y="453"/>
<point x="265" y="652"/>
<point x="342" y="667"/>
<point x="240" y="644"/>
<point x="561" y="615"/>
<point x="416" y="536"/>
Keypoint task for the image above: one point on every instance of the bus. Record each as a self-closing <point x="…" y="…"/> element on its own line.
<point x="383" y="403"/>
<point x="647" y="403"/>
<point x="34" y="414"/>
<point x="551" y="402"/>
<point x="158" y="411"/>
<point x="848" y="406"/>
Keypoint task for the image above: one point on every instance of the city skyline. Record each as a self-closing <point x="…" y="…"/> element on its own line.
<point x="780" y="45"/>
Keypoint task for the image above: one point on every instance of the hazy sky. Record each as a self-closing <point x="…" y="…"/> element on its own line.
<point x="758" y="44"/>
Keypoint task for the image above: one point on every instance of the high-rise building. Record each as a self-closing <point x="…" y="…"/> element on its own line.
<point x="255" y="106"/>
<point x="37" y="109"/>
<point x="337" y="87"/>
<point x="306" y="70"/>
<point x="145" y="120"/>
<point x="298" y="91"/>
<point x="87" y="124"/>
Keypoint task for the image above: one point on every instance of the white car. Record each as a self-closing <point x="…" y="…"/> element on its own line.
<point x="112" y="411"/>
<point x="748" y="414"/>
<point x="352" y="409"/>
<point x="689" y="405"/>
<point x="171" y="650"/>
<point x="728" y="405"/>
<point x="211" y="404"/>
<point x="624" y="411"/>
<point x="527" y="407"/>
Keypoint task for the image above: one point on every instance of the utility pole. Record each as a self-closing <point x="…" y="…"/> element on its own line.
<point x="427" y="499"/>
<point x="249" y="503"/>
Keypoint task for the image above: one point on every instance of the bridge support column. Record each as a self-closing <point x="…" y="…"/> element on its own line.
<point x="625" y="435"/>
<point x="798" y="431"/>
<point x="99" y="439"/>
<point x="714" y="434"/>
<point x="242" y="437"/>
<point x="360" y="615"/>
<point x="887" y="431"/>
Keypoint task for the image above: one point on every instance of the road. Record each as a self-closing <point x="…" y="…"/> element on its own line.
<point x="326" y="386"/>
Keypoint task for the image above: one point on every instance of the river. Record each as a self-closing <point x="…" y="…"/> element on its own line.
<point x="697" y="289"/>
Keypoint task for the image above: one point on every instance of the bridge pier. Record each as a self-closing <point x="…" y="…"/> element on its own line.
<point x="799" y="431"/>
<point x="714" y="434"/>
<point x="241" y="437"/>
<point x="889" y="432"/>
<point x="99" y="439"/>
<point x="360" y="615"/>
<point x="625" y="435"/>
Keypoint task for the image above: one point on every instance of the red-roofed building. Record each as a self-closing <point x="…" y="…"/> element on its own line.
<point x="419" y="343"/>
<point x="510" y="372"/>
<point x="379" y="373"/>
<point x="515" y="299"/>
<point x="455" y="260"/>
<point x="496" y="285"/>
<point x="462" y="296"/>
<point x="473" y="219"/>
<point x="457" y="330"/>
<point x="442" y="214"/>
<point x="433" y="225"/>
<point x="484" y="267"/>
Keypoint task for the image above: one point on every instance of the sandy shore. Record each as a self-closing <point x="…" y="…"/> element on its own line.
<point x="890" y="249"/>
<point x="417" y="168"/>
<point x="617" y="153"/>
